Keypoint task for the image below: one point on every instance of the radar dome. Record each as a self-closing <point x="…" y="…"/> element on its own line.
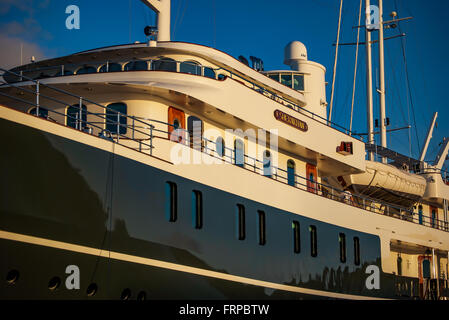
<point x="295" y="50"/>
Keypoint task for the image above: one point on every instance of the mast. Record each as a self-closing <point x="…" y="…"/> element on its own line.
<point x="383" y="128"/>
<point x="162" y="9"/>
<point x="429" y="136"/>
<point x="369" y="79"/>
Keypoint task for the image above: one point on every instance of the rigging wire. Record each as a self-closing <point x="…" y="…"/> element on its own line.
<point x="180" y="4"/>
<point x="107" y="204"/>
<point x="410" y="97"/>
<point x="355" y="68"/>
<point x="183" y="12"/>
<point x="335" y="62"/>
<point x="395" y="81"/>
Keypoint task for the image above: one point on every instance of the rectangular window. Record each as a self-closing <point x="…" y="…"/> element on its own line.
<point x="298" y="82"/>
<point x="171" y="201"/>
<point x="342" y="241"/>
<point x="296" y="237"/>
<point x="262" y="235"/>
<point x="240" y="222"/>
<point x="313" y="241"/>
<point x="356" y="251"/>
<point x="197" y="209"/>
<point x="274" y="76"/>
<point x="286" y="79"/>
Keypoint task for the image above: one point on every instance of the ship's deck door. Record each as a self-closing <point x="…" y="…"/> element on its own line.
<point x="424" y="274"/>
<point x="311" y="178"/>
<point x="177" y="120"/>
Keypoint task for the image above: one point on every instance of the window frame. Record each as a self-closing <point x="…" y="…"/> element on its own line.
<point x="197" y="209"/>
<point x="171" y="201"/>
<point x="291" y="174"/>
<point x="220" y="142"/>
<point x="342" y="245"/>
<point x="240" y="222"/>
<point x="123" y="119"/>
<point x="296" y="236"/>
<point x="196" y="65"/>
<point x="313" y="241"/>
<point x="242" y="142"/>
<point x="262" y="228"/>
<point x="267" y="167"/>
<point x="356" y="251"/>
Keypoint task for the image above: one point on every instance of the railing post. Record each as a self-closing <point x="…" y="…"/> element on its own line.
<point x="151" y="139"/>
<point x="37" y="98"/>
<point x="80" y="117"/>
<point x="118" y="126"/>
<point x="133" y="129"/>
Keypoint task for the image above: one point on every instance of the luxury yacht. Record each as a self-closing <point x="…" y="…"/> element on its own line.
<point x="172" y="170"/>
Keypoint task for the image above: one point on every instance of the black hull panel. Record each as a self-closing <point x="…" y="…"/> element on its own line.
<point x="58" y="189"/>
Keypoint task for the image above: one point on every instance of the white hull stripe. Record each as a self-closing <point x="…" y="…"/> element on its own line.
<point x="171" y="266"/>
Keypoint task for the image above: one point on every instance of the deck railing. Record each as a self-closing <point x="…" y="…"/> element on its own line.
<point x="219" y="73"/>
<point x="148" y="129"/>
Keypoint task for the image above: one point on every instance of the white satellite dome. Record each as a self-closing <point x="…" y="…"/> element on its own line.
<point x="294" y="51"/>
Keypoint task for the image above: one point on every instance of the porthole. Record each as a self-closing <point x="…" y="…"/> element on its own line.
<point x="91" y="290"/>
<point x="12" y="277"/>
<point x="54" y="283"/>
<point x="126" y="294"/>
<point x="142" y="296"/>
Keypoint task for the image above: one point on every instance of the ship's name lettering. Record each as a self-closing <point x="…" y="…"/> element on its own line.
<point x="292" y="121"/>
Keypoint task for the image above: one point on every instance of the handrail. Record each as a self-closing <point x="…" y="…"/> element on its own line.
<point x="81" y="124"/>
<point x="249" y="163"/>
<point x="284" y="101"/>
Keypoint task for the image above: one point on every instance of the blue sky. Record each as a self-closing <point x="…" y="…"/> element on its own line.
<point x="261" y="28"/>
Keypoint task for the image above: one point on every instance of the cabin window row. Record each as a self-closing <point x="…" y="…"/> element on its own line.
<point x="314" y="243"/>
<point x="177" y="119"/>
<point x="161" y="64"/>
<point x="171" y="212"/>
<point x="115" y="117"/>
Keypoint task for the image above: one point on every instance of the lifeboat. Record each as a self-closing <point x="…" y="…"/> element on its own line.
<point x="387" y="183"/>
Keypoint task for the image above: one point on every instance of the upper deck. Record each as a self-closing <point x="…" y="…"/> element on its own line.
<point x="238" y="90"/>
